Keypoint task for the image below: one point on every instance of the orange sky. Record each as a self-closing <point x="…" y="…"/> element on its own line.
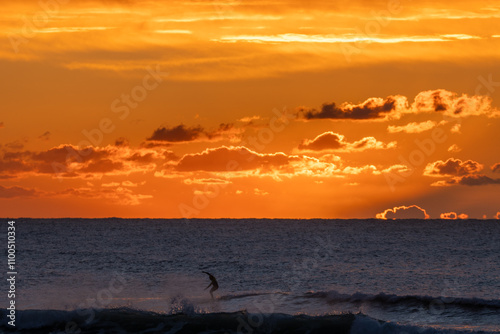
<point x="300" y="109"/>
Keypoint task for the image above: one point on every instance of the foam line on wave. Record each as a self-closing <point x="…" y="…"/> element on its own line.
<point x="248" y="294"/>
<point x="383" y="298"/>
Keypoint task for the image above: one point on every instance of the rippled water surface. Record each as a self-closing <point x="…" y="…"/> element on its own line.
<point x="428" y="273"/>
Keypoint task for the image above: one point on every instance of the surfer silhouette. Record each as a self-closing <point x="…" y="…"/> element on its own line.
<point x="213" y="283"/>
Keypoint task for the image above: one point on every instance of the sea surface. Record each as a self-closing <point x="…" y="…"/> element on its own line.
<point x="274" y="275"/>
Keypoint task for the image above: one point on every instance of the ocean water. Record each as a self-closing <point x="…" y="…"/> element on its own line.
<point x="356" y="276"/>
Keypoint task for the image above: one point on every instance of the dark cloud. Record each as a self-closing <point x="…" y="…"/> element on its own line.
<point x="70" y="153"/>
<point x="496" y="167"/>
<point x="435" y="100"/>
<point x="170" y="156"/>
<point x="220" y="131"/>
<point x="45" y="136"/>
<point x="179" y="133"/>
<point x="17" y="165"/>
<point x="230" y="159"/>
<point x="463" y="173"/>
<point x="118" y="195"/>
<point x="336" y="142"/>
<point x="325" y="141"/>
<point x="102" y="166"/>
<point x="392" y="107"/>
<point x="154" y="144"/>
<point x="145" y="158"/>
<point x="452" y="167"/>
<point x="12" y="192"/>
<point x="182" y="133"/>
<point x="404" y="212"/>
<point x="122" y="141"/>
<point x="373" y="108"/>
<point x="57" y="160"/>
<point x="477" y="180"/>
<point x="468" y="180"/>
<point x="15" y="145"/>
<point x="72" y="161"/>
